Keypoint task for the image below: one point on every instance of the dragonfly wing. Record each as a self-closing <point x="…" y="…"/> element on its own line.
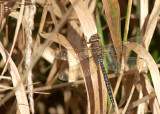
<point x="74" y="73"/>
<point x="129" y="63"/>
<point x="64" y="54"/>
<point x="112" y="63"/>
<point x="109" y="48"/>
<point x="71" y="74"/>
<point x="82" y="53"/>
<point x="63" y="76"/>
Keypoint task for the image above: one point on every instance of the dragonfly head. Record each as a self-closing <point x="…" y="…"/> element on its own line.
<point x="94" y="38"/>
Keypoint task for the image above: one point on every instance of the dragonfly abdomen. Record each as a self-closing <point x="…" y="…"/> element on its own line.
<point x="100" y="60"/>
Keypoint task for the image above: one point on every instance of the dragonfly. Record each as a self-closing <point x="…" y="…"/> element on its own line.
<point x="99" y="52"/>
<point x="108" y="52"/>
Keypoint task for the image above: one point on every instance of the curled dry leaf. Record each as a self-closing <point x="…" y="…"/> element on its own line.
<point x="144" y="54"/>
<point x="89" y="28"/>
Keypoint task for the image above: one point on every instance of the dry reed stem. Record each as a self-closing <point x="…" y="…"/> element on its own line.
<point x="132" y="91"/>
<point x="143" y="14"/>
<point x="142" y="100"/>
<point x="129" y="99"/>
<point x="45" y="88"/>
<point x="28" y="51"/>
<point x="5" y="77"/>
<point x="42" y="22"/>
<point x="143" y="23"/>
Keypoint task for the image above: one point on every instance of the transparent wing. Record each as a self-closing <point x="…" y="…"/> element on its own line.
<point x="107" y="52"/>
<point x="64" y="54"/>
<point x="112" y="65"/>
<point x="73" y="73"/>
<point x="82" y="53"/>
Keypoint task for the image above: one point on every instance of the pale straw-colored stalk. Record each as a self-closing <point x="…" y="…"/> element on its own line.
<point x="28" y="52"/>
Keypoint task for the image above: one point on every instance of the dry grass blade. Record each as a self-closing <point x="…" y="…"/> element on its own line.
<point x="20" y="92"/>
<point x="151" y="25"/>
<point x="142" y="100"/>
<point x="58" y="86"/>
<point x="88" y="24"/>
<point x="5" y="77"/>
<point x="53" y="37"/>
<point x="129" y="99"/>
<point x="151" y="65"/>
<point x="143" y="13"/>
<point x="5" y="87"/>
<point x="16" y="34"/>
